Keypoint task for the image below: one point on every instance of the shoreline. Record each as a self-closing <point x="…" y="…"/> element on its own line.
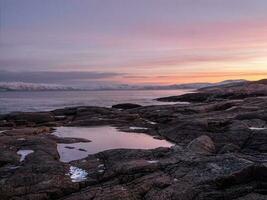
<point x="49" y="101"/>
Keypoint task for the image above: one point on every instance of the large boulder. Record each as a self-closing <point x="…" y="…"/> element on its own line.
<point x="202" y="145"/>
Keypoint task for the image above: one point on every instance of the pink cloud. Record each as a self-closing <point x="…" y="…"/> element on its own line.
<point x="205" y="34"/>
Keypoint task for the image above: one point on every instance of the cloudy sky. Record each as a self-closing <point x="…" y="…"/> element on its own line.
<point x="132" y="41"/>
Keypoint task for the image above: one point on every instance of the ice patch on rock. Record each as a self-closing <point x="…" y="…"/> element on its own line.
<point x="137" y="128"/>
<point x="150" y="122"/>
<point x="257" y="129"/>
<point x="60" y="117"/>
<point x="23" y="154"/>
<point x="77" y="175"/>
<point x="152" y="161"/>
<point x="2" y="131"/>
<point x="13" y="167"/>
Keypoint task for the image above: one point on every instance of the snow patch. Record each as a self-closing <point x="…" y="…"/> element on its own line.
<point x="101" y="165"/>
<point x="152" y="161"/>
<point x="150" y="122"/>
<point x="137" y="128"/>
<point x="77" y="175"/>
<point x="257" y="129"/>
<point x="60" y="117"/>
<point x="122" y="188"/>
<point x="23" y="154"/>
<point x="13" y="167"/>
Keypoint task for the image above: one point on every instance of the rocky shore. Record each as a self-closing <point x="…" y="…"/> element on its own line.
<point x="220" y="150"/>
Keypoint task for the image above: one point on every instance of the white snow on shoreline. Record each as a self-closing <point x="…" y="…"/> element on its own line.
<point x="23" y="154"/>
<point x="77" y="175"/>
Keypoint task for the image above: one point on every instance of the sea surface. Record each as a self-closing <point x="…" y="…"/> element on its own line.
<point x="50" y="100"/>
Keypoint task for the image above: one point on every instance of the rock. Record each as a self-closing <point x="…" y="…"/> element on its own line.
<point x="257" y="141"/>
<point x="29" y="131"/>
<point x="229" y="148"/>
<point x="191" y="97"/>
<point x="80" y="149"/>
<point x="8" y="157"/>
<point x="69" y="147"/>
<point x="253" y="196"/>
<point x="126" y="106"/>
<point x="67" y="140"/>
<point x="157" y="137"/>
<point x="202" y="145"/>
<point x="38" y="118"/>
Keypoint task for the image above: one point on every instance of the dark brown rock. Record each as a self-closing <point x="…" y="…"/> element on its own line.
<point x="228" y="148"/>
<point x="23" y="117"/>
<point x="126" y="106"/>
<point x="202" y="145"/>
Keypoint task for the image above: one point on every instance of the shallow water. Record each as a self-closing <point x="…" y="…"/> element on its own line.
<point x="103" y="138"/>
<point x="49" y="100"/>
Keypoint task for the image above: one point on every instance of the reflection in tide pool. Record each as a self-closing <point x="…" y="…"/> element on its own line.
<point x="103" y="138"/>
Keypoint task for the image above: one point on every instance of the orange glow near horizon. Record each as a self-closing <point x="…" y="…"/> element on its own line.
<point x="199" y="77"/>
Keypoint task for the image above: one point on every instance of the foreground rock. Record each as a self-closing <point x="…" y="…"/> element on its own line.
<point x="220" y="152"/>
<point x="163" y="173"/>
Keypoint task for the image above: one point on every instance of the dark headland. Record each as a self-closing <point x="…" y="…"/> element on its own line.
<point x="220" y="151"/>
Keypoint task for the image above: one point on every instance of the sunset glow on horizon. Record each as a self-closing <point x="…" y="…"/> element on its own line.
<point x="135" y="42"/>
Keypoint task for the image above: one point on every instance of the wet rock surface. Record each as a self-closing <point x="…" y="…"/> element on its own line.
<point x="220" y="151"/>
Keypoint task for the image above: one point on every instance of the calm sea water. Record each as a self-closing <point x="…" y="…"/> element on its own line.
<point x="49" y="100"/>
<point x="102" y="138"/>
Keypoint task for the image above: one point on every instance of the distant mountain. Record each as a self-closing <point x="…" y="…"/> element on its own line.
<point x="178" y="86"/>
<point x="226" y="84"/>
<point x="195" y="85"/>
<point x="21" y="86"/>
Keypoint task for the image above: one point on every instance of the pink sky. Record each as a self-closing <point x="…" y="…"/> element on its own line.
<point x="142" y="42"/>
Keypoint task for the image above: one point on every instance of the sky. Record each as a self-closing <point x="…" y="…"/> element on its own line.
<point x="80" y="42"/>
